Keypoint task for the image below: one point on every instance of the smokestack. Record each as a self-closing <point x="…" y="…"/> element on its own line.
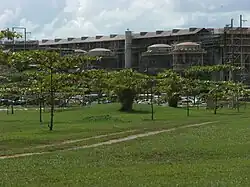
<point x="232" y="23"/>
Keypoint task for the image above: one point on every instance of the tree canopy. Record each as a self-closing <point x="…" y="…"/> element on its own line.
<point x="9" y="34"/>
<point x="48" y="74"/>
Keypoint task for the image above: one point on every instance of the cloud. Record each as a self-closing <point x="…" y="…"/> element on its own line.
<point x="8" y="16"/>
<point x="65" y="18"/>
<point x="28" y="24"/>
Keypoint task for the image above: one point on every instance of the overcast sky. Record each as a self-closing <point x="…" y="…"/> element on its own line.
<point x="67" y="18"/>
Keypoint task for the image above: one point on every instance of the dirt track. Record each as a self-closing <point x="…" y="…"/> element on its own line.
<point x="109" y="142"/>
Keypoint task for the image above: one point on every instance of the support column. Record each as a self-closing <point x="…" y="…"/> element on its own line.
<point x="128" y="49"/>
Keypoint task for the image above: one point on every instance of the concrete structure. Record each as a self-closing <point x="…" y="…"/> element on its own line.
<point x="130" y="46"/>
<point x="106" y="59"/>
<point x="187" y="54"/>
<point x="128" y="49"/>
<point x="222" y="46"/>
<point x="157" y="56"/>
<point x="20" y="45"/>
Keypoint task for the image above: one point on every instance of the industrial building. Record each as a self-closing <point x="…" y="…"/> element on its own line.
<point x="176" y="48"/>
<point x="133" y="50"/>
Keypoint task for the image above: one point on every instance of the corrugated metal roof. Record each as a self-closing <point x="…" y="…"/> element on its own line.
<point x="174" y="32"/>
<point x="85" y="40"/>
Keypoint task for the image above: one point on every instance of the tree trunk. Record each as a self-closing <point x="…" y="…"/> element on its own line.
<point x="40" y="111"/>
<point x="12" y="109"/>
<point x="52" y="111"/>
<point x="99" y="97"/>
<point x="173" y="101"/>
<point x="216" y="104"/>
<point x="126" y="98"/>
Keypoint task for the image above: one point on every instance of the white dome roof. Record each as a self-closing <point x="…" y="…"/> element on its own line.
<point x="188" y="44"/>
<point x="79" y="51"/>
<point x="100" y="50"/>
<point x="159" y="46"/>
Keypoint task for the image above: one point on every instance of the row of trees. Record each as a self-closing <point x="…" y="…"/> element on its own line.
<point x="49" y="76"/>
<point x="29" y="72"/>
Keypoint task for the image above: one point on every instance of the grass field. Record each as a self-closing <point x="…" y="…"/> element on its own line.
<point x="211" y="155"/>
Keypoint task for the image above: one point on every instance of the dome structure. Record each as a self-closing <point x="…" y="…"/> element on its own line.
<point x="100" y="49"/>
<point x="187" y="54"/>
<point x="157" y="57"/>
<point x="80" y="51"/>
<point x="159" y="48"/>
<point x="101" y="52"/>
<point x="187" y="46"/>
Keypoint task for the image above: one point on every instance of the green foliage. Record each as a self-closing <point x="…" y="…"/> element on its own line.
<point x="97" y="80"/>
<point x="171" y="83"/>
<point x="3" y="57"/>
<point x="200" y="71"/>
<point x="9" y="34"/>
<point x="126" y="84"/>
<point x="40" y="72"/>
<point x="127" y="78"/>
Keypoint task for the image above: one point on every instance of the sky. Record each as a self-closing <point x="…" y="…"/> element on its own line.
<point x="48" y="19"/>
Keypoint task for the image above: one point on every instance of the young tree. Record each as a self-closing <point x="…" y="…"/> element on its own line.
<point x="171" y="83"/>
<point x="54" y="69"/>
<point x="191" y="88"/>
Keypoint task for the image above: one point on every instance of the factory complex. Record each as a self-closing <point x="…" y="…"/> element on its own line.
<point x="175" y="49"/>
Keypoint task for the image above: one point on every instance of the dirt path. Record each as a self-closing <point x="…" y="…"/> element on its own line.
<point x="109" y="142"/>
<point x="85" y="139"/>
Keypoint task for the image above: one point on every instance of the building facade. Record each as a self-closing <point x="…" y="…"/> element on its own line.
<point x="161" y="49"/>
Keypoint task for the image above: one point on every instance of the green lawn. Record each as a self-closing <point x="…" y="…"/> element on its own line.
<point x="211" y="155"/>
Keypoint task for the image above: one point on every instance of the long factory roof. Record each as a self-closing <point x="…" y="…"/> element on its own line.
<point x="120" y="37"/>
<point x="115" y="37"/>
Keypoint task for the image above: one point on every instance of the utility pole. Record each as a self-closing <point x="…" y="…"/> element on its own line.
<point x="25" y="36"/>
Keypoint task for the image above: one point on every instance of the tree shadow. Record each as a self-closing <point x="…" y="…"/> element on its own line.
<point x="229" y="114"/>
<point x="136" y="112"/>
